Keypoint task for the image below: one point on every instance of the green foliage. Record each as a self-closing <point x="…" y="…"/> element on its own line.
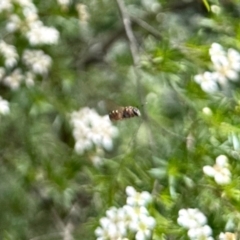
<point x="47" y="188"/>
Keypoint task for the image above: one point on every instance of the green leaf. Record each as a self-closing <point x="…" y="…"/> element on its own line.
<point x="158" y="173"/>
<point x="206" y="5"/>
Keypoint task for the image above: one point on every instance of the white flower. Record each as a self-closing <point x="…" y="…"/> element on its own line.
<point x="191" y="218"/>
<point x="29" y="79"/>
<point x="10" y="54"/>
<point x="64" y="3"/>
<point x="97" y="158"/>
<point x="223" y="176"/>
<point x="83" y="145"/>
<point x="14" y="79"/>
<point x="222" y="161"/>
<point x="209" y="170"/>
<point x="5" y="5"/>
<point x="14" y="23"/>
<point x="82" y="12"/>
<point x="195" y="221"/>
<point x="200" y="232"/>
<point x="234" y="59"/>
<point x="112" y="226"/>
<point x="219" y="171"/>
<point x="216" y="9"/>
<point x="207" y="111"/>
<point x="121" y="221"/>
<point x="207" y="81"/>
<point x="101" y="233"/>
<point x="115" y="214"/>
<point x="25" y="3"/>
<point x="216" y="51"/>
<point x="28" y="15"/>
<point x="227" y="236"/>
<point x="4" y="106"/>
<point x="91" y="129"/>
<point x="224" y="71"/>
<point x="31" y="16"/>
<point x="137" y="199"/>
<point x="226" y="64"/>
<point x="144" y="227"/>
<point x="40" y="34"/>
<point x="133" y="215"/>
<point x="37" y="60"/>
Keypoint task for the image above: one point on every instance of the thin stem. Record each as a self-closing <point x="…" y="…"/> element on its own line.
<point x="128" y="28"/>
<point x="133" y="47"/>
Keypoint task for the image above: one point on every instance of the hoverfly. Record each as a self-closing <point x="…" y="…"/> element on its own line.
<point x="124" y="112"/>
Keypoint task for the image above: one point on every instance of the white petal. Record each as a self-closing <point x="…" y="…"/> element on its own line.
<point x="222" y="179"/>
<point x="210" y="171"/>
<point x="222" y="160"/>
<point x="130" y="191"/>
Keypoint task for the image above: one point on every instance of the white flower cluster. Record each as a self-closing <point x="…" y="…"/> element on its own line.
<point x="40" y="34"/>
<point x="132" y="218"/>
<point x="28" y="22"/>
<point x="9" y="53"/>
<point x="227" y="236"/>
<point x="219" y="171"/>
<point x="5" y="5"/>
<point x="195" y="221"/>
<point x="22" y="16"/>
<point x="226" y="67"/>
<point x="14" y="79"/>
<point x="91" y="129"/>
<point x="83" y="14"/>
<point x="37" y="61"/>
<point x="64" y="2"/>
<point x="4" y="106"/>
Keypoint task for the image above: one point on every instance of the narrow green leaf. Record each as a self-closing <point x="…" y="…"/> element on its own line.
<point x="206" y="5"/>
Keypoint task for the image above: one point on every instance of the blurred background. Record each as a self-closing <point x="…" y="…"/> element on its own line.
<point x="65" y="64"/>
